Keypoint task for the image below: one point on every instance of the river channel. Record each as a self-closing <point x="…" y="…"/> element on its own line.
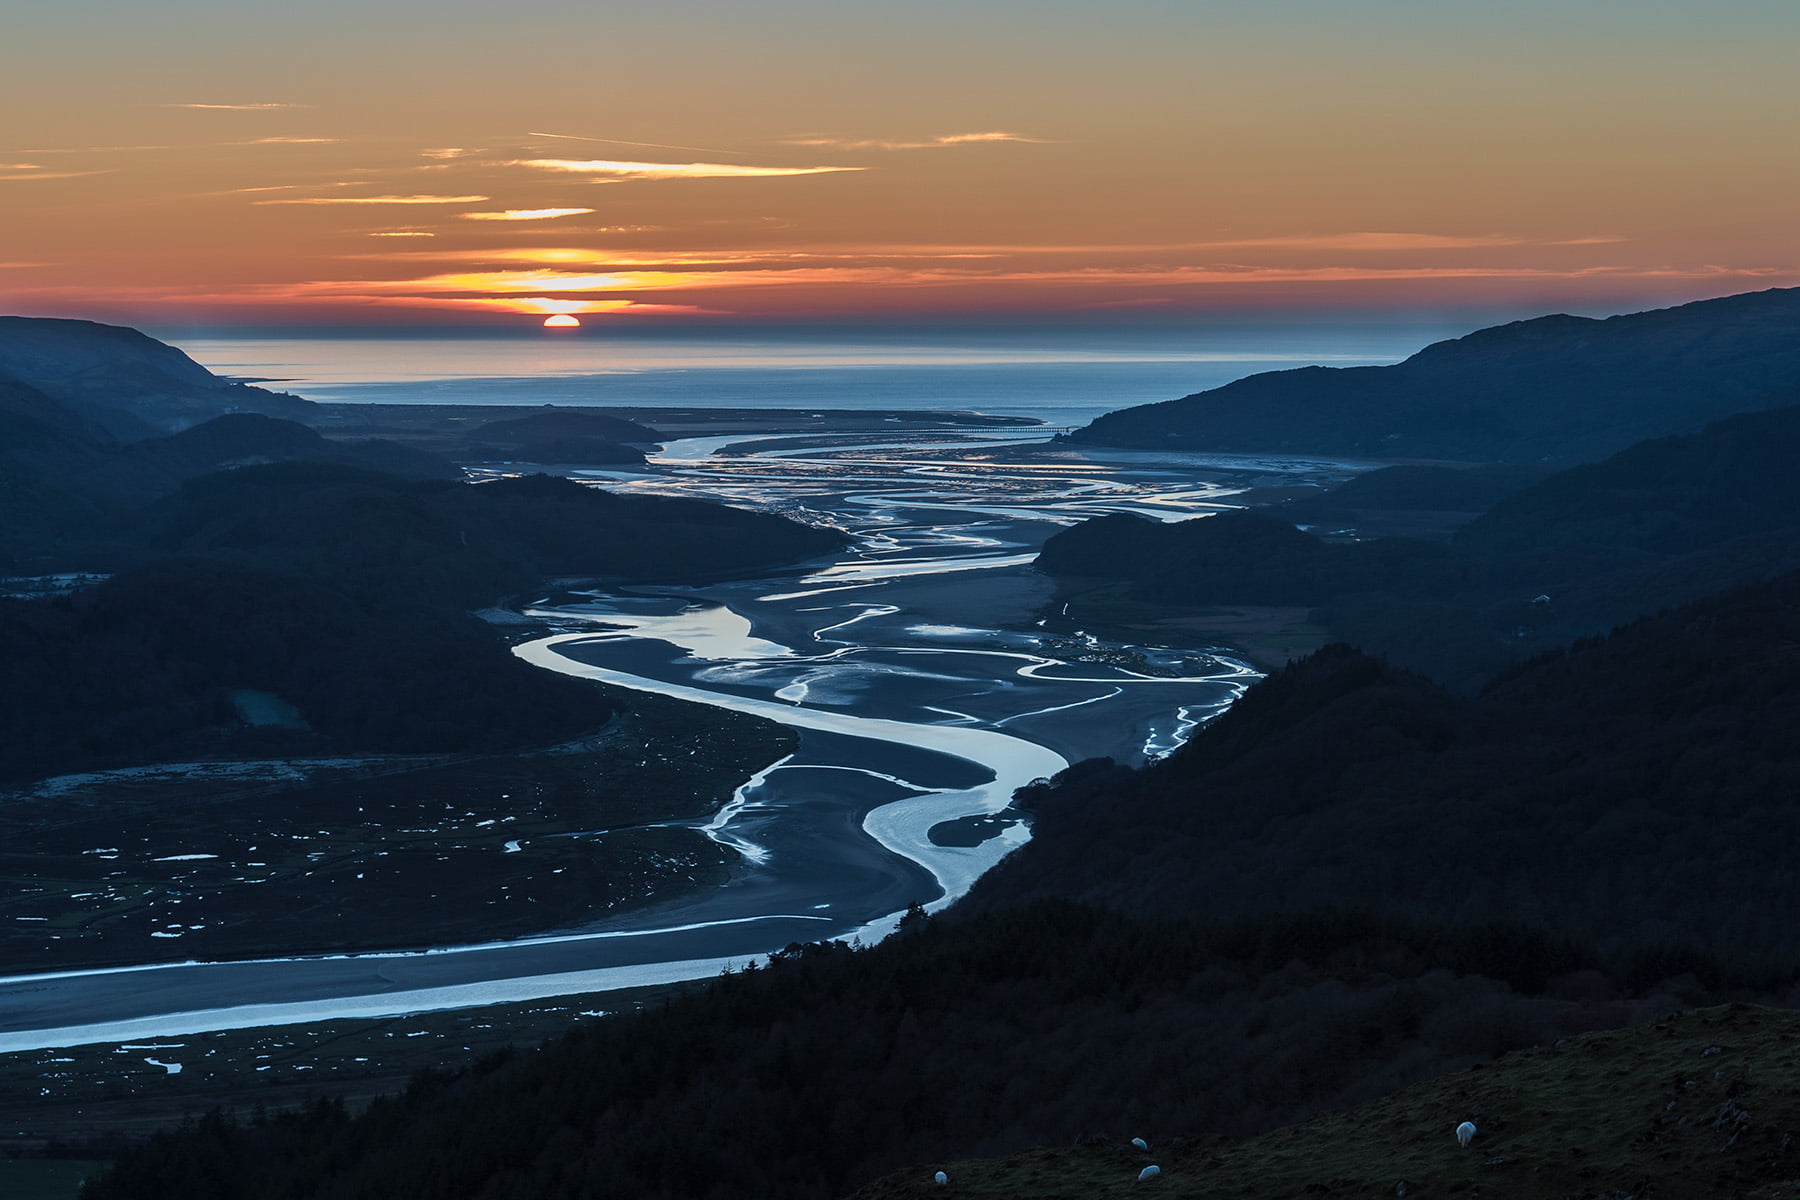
<point x="915" y="666"/>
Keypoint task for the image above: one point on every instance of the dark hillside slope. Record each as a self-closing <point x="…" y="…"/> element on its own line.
<point x="71" y="496"/>
<point x="1639" y="789"/>
<point x="1412" y="500"/>
<point x="1559" y="388"/>
<point x="244" y="439"/>
<point x="146" y="668"/>
<point x="1661" y="523"/>
<point x="806" y="1078"/>
<point x="1246" y="557"/>
<point x="126" y="381"/>
<point x="383" y="537"/>
<point x="1666" y="496"/>
<point x="1697" y="1106"/>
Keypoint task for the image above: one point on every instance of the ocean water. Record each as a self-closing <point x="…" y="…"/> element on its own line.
<point x="1061" y="375"/>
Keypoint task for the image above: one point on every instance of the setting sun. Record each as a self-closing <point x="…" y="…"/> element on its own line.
<point x="561" y="321"/>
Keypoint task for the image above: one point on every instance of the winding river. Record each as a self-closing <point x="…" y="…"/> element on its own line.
<point x="913" y="667"/>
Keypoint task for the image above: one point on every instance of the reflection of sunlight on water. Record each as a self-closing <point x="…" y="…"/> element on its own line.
<point x="706" y="631"/>
<point x="908" y="568"/>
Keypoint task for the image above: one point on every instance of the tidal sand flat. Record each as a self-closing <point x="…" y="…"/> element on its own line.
<point x="918" y="642"/>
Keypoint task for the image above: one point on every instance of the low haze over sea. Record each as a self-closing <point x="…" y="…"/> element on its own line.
<point x="1063" y="375"/>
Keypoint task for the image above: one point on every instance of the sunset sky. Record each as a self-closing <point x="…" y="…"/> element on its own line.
<point x="378" y="161"/>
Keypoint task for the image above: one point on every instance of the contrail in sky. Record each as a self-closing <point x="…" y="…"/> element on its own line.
<point x="622" y="142"/>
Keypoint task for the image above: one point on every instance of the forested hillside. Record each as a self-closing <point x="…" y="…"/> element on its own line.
<point x="152" y="665"/>
<point x="1044" y="1024"/>
<point x="1572" y="555"/>
<point x="1635" y="789"/>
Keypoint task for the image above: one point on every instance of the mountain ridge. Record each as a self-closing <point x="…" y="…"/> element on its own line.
<point x="1557" y="388"/>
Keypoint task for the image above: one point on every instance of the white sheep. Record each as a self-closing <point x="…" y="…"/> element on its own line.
<point x="1465" y="1133"/>
<point x="1149" y="1173"/>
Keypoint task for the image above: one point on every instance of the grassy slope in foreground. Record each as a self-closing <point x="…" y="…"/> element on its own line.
<point x="1701" y="1104"/>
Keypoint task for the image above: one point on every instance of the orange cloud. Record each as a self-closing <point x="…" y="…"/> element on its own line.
<point x="36" y="173"/>
<point x="1374" y="241"/>
<point x="525" y="214"/>
<point x="378" y="200"/>
<point x="237" y="107"/>
<point x="548" y="306"/>
<point x="509" y="283"/>
<point x="949" y="139"/>
<point x="620" y="170"/>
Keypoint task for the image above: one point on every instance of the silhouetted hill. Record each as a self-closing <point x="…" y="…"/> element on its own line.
<point x="383" y="537"/>
<point x="85" y="411"/>
<point x="563" y="423"/>
<point x="578" y="451"/>
<point x="126" y="381"/>
<point x="1349" y="882"/>
<point x="46" y="450"/>
<point x="250" y="439"/>
<point x="1633" y="790"/>
<point x="28" y="416"/>
<point x="1695" y="1106"/>
<point x="72" y="498"/>
<point x="1584" y="550"/>
<point x="563" y="436"/>
<point x="143" y="668"/>
<point x="1245" y="557"/>
<point x="1396" y="501"/>
<point x="1556" y="389"/>
<point x="1050" y="1024"/>
<point x="1666" y="496"/>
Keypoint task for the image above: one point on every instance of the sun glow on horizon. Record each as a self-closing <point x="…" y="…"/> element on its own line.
<point x="917" y="161"/>
<point x="562" y="321"/>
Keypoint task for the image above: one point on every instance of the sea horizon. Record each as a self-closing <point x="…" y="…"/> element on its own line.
<point x="1059" y="374"/>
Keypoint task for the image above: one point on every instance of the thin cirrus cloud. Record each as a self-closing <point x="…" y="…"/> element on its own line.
<point x="35" y="173"/>
<point x="948" y="139"/>
<point x="612" y="169"/>
<point x="505" y="284"/>
<point x="1372" y="241"/>
<point x="290" y="141"/>
<point x="728" y="257"/>
<point x="377" y="200"/>
<point x="525" y="214"/>
<point x="237" y="107"/>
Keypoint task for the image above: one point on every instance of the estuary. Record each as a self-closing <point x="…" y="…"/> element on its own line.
<point x="922" y="669"/>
